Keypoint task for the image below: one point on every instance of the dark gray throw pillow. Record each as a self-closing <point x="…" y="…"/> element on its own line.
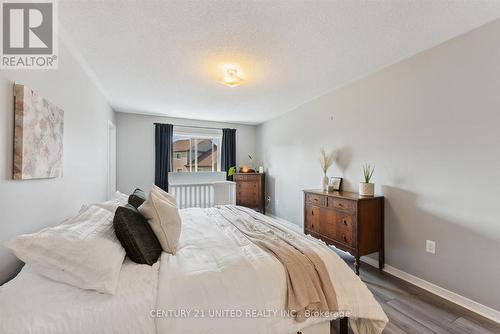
<point x="136" y="236"/>
<point x="137" y="198"/>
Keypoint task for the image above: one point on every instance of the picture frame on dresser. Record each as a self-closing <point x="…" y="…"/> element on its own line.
<point x="348" y="221"/>
<point x="336" y="183"/>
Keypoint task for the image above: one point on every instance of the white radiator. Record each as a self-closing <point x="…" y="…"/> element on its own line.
<point x="204" y="195"/>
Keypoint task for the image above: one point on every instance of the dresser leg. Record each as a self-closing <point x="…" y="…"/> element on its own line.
<point x="381" y="259"/>
<point x="357" y="264"/>
<point x="381" y="252"/>
<point x="343" y="327"/>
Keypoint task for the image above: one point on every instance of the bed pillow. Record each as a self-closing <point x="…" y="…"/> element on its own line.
<point x="110" y="205"/>
<point x="163" y="193"/>
<point x="83" y="251"/>
<point x="118" y="199"/>
<point x="121" y="197"/>
<point x="136" y="236"/>
<point x="137" y="198"/>
<point x="163" y="216"/>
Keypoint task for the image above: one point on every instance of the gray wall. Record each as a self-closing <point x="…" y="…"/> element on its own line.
<point x="136" y="146"/>
<point x="430" y="124"/>
<point x="27" y="206"/>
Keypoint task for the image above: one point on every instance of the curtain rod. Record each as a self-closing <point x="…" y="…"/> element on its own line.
<point x="196" y="127"/>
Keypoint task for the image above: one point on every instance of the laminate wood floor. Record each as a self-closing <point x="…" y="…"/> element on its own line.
<point x="413" y="310"/>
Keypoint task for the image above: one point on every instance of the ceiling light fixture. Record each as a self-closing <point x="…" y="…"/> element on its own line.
<point x="232" y="75"/>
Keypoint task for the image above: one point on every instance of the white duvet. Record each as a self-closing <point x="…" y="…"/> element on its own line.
<point x="33" y="304"/>
<point x="217" y="282"/>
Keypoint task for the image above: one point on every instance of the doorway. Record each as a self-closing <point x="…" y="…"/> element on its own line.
<point x="111" y="189"/>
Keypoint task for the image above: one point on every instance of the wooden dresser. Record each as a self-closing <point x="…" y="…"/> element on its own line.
<point x="346" y="220"/>
<point x="250" y="190"/>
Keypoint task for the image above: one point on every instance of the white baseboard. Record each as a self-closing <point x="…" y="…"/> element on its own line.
<point x="453" y="297"/>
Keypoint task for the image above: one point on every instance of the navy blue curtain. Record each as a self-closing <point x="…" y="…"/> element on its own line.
<point x="163" y="153"/>
<point x="228" y="157"/>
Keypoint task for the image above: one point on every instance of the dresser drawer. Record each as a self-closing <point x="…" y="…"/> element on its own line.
<point x="312" y="221"/>
<point x="345" y="237"/>
<point x="344" y="227"/>
<point x="344" y="222"/>
<point x="248" y="201"/>
<point x="316" y="199"/>
<point x="246" y="196"/>
<point x="248" y="188"/>
<point x="342" y="204"/>
<point x="246" y="177"/>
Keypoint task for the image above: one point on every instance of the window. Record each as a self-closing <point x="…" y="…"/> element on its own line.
<point x="196" y="151"/>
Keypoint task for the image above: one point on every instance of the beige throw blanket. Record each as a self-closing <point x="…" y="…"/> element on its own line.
<point x="308" y="282"/>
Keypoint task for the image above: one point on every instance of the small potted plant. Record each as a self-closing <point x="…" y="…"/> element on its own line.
<point x="230" y="173"/>
<point x="366" y="188"/>
<point x="326" y="161"/>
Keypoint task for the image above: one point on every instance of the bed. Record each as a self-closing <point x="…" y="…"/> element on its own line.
<point x="217" y="282"/>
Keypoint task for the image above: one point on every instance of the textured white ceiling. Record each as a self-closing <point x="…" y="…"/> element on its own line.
<point x="158" y="56"/>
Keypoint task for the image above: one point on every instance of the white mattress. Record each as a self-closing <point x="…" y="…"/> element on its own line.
<point x="33" y="304"/>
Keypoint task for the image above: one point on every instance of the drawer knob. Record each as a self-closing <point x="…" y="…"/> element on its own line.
<point x="341" y="205"/>
<point x="345" y="222"/>
<point x="345" y="238"/>
<point x="312" y="225"/>
<point x="312" y="213"/>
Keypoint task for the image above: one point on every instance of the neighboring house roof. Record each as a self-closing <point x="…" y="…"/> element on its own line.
<point x="205" y="160"/>
<point x="181" y="145"/>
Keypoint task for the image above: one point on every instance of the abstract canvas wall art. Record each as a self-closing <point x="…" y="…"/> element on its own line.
<point x="38" y="136"/>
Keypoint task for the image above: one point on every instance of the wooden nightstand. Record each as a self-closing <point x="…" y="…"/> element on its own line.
<point x="250" y="190"/>
<point x="346" y="220"/>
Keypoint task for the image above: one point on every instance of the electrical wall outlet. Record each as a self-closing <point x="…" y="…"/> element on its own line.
<point x="430" y="246"/>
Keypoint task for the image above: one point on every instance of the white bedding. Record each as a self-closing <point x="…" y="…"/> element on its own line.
<point x="83" y="251"/>
<point x="34" y="304"/>
<point x="215" y="269"/>
<point x="225" y="272"/>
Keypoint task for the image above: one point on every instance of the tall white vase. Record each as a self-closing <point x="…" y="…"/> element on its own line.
<point x="324" y="182"/>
